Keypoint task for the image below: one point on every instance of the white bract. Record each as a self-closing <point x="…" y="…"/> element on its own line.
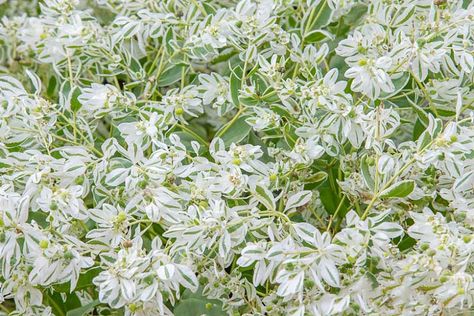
<point x="241" y="157"/>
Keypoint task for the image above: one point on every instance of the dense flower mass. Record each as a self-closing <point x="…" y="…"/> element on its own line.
<point x="237" y="157"/>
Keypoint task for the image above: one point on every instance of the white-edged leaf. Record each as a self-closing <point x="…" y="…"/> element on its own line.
<point x="116" y="177"/>
<point x="298" y="199"/>
<point x="329" y="272"/>
<point x="465" y="182"/>
<point x="399" y="190"/>
<point x="305" y="231"/>
<point x="386" y="164"/>
<point x="264" y="196"/>
<point x="187" y="278"/>
<point x="166" y="272"/>
<point x="391" y="230"/>
<point x="35" y="80"/>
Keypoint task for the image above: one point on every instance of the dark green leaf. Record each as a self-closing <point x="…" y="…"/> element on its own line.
<point x="235" y="84"/>
<point x="399" y="190"/>
<point x="290" y="135"/>
<point x="317" y="36"/>
<point x="316" y="18"/>
<point x="171" y="75"/>
<point x="75" y="104"/>
<point x="83" y="310"/>
<point x="234" y="131"/>
<point x="84" y="281"/>
<point x="399" y="84"/>
<point x="195" y="304"/>
<point x="317" y="177"/>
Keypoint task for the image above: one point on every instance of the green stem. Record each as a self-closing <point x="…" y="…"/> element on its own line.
<point x="339" y="207"/>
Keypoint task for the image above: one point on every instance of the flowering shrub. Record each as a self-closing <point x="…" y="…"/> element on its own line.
<point x="271" y="157"/>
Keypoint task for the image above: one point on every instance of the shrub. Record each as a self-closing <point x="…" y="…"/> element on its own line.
<point x="272" y="157"/>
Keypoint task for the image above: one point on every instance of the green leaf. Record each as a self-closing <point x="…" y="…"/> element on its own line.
<point x="328" y="191"/>
<point x="196" y="304"/>
<point x="265" y="197"/>
<point x="328" y="197"/>
<point x="338" y="62"/>
<point x="51" y="87"/>
<point x="234" y="131"/>
<point x="402" y="14"/>
<point x="422" y="115"/>
<point x="406" y="243"/>
<point x="316" y="18"/>
<point x="225" y="55"/>
<point x="235" y="84"/>
<point x="445" y="112"/>
<point x="282" y="111"/>
<point x="357" y="12"/>
<point x="75" y="104"/>
<point x="167" y="41"/>
<point x="399" y="190"/>
<point x="317" y="36"/>
<point x="84" y="281"/>
<point x="423" y="140"/>
<point x="171" y="75"/>
<point x="399" y="84"/>
<point x="58" y="304"/>
<point x="319" y="176"/>
<point x="366" y="175"/>
<point x="290" y="135"/>
<point x="83" y="310"/>
<point x="418" y="129"/>
<point x="208" y="8"/>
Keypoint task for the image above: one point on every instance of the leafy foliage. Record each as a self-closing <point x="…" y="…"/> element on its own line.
<point x="238" y="157"/>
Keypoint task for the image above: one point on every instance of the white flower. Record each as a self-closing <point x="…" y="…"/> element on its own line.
<point x="112" y="224"/>
<point x="370" y="77"/>
<point x="117" y="285"/>
<point x="98" y="98"/>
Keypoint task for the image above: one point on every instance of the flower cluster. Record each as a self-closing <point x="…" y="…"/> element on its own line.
<point x="241" y="157"/>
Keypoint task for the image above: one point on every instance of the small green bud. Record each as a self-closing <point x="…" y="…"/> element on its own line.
<point x="54" y="206"/>
<point x="142" y="184"/>
<point x="79" y="180"/>
<point x="68" y="255"/>
<point x="149" y="279"/>
<point x="424" y="246"/>
<point x="121" y="217"/>
<point x="308" y="283"/>
<point x="43" y="244"/>
<point x="132" y="307"/>
<point x="290" y="266"/>
<point x="179" y="111"/>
